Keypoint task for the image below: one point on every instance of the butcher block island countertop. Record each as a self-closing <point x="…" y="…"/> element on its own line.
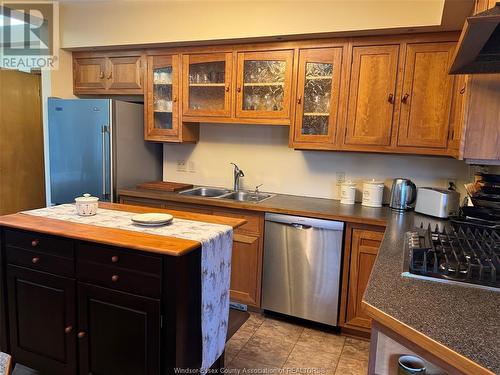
<point x="119" y="237"/>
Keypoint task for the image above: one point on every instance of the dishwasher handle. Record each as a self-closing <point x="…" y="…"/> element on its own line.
<point x="300" y="226"/>
<point x="300" y="222"/>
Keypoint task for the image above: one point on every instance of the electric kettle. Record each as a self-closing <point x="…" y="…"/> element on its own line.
<point x="403" y="194"/>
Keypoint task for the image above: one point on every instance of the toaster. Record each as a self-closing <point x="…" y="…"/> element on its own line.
<point x="436" y="202"/>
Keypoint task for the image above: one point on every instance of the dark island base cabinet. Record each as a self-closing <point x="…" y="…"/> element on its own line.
<point x="42" y="320"/>
<point x="119" y="333"/>
<point x="75" y="324"/>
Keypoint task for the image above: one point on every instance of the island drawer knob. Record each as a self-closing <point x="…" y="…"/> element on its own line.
<point x="68" y="329"/>
<point x="115" y="258"/>
<point x="81" y="334"/>
<point x="115" y="278"/>
<point x="34" y="243"/>
<point x="35" y="260"/>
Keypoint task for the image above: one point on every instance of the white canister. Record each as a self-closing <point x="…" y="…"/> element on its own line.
<point x="347" y="192"/>
<point x="86" y="205"/>
<point x="373" y="192"/>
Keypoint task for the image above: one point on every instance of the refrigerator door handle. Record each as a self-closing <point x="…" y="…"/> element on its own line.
<point x="103" y="150"/>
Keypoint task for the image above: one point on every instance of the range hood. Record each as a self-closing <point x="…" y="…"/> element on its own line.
<point x="478" y="49"/>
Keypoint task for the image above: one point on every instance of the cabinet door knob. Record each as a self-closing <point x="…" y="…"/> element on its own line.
<point x="390" y="98"/>
<point x="81" y="334"/>
<point x="68" y="330"/>
<point x="405" y="97"/>
<point x="299" y="100"/>
<point x="227" y="88"/>
<point x="115" y="259"/>
<point x="110" y="75"/>
<point x="101" y="75"/>
<point x="35" y="243"/>
<point x="35" y="260"/>
<point x="174" y="99"/>
<point x="238" y="89"/>
<point x="115" y="278"/>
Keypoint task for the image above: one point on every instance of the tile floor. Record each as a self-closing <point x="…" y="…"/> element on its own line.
<point x="267" y="343"/>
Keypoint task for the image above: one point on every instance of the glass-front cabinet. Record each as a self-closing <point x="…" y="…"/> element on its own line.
<point x="207" y="84"/>
<point x="264" y="82"/>
<point x="318" y="85"/>
<point x="162" y="97"/>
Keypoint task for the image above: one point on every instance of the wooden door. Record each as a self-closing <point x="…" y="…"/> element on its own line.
<point x="206" y="84"/>
<point x="426" y="95"/>
<point x="162" y="103"/>
<point x="318" y="92"/>
<point x="364" y="249"/>
<point x="125" y="73"/>
<point x="42" y="320"/>
<point x="372" y="91"/>
<point x="21" y="129"/>
<point x="119" y="333"/>
<point x="264" y="84"/>
<point x="89" y="74"/>
<point x="245" y="269"/>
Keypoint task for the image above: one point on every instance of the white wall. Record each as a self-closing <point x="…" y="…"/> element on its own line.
<point x="263" y="154"/>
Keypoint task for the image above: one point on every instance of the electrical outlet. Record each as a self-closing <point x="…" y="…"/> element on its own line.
<point x="191" y="166"/>
<point x="181" y="165"/>
<point x="340" y="178"/>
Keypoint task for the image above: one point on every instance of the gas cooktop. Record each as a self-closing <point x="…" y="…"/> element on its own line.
<point x="460" y="253"/>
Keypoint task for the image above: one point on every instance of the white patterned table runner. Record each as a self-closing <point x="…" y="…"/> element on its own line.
<point x="217" y="243"/>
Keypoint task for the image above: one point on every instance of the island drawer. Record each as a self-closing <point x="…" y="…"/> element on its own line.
<point x="39" y="242"/>
<point x="41" y="261"/>
<point x="111" y="256"/>
<point x="113" y="277"/>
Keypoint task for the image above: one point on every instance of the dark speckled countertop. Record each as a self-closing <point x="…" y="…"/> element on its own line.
<point x="463" y="318"/>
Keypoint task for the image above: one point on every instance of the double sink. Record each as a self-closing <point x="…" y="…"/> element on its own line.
<point x="239" y="196"/>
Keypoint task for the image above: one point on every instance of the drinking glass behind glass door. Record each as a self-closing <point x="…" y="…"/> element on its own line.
<point x="162" y="97"/>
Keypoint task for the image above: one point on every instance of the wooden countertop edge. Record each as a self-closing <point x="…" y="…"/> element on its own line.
<point x="118" y="237"/>
<point x="449" y="356"/>
<point x="256" y="207"/>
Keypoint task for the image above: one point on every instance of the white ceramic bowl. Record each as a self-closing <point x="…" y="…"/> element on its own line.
<point x="86" y="205"/>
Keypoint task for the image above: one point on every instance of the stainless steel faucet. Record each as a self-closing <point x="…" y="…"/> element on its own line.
<point x="237" y="174"/>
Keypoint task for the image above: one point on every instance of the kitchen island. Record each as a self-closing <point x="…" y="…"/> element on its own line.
<point x="453" y="326"/>
<point x="78" y="298"/>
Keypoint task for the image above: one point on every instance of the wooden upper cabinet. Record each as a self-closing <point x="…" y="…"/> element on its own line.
<point x="207" y="84"/>
<point x="372" y="93"/>
<point x="426" y="95"/>
<point x="162" y="104"/>
<point x="119" y="73"/>
<point x="264" y="84"/>
<point x="126" y="73"/>
<point x="89" y="74"/>
<point x="318" y="89"/>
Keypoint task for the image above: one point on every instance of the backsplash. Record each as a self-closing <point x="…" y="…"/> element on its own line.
<point x="262" y="153"/>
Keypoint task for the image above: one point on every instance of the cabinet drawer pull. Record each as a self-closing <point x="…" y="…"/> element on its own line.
<point x="462" y="90"/>
<point x="404" y="99"/>
<point x="101" y="75"/>
<point x="81" y="334"/>
<point x="35" y="260"/>
<point x="110" y="75"/>
<point x="35" y="243"/>
<point x="390" y="99"/>
<point x="68" y="330"/>
<point x="115" y="278"/>
<point x="115" y="259"/>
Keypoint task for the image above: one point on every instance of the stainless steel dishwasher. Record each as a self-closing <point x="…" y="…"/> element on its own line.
<point x="302" y="267"/>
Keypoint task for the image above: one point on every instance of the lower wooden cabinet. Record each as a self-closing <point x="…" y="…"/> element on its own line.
<point x="361" y="247"/>
<point x="119" y="333"/>
<point x="43" y="320"/>
<point x="248" y="242"/>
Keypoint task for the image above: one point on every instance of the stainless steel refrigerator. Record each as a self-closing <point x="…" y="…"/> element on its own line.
<point x="97" y="146"/>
